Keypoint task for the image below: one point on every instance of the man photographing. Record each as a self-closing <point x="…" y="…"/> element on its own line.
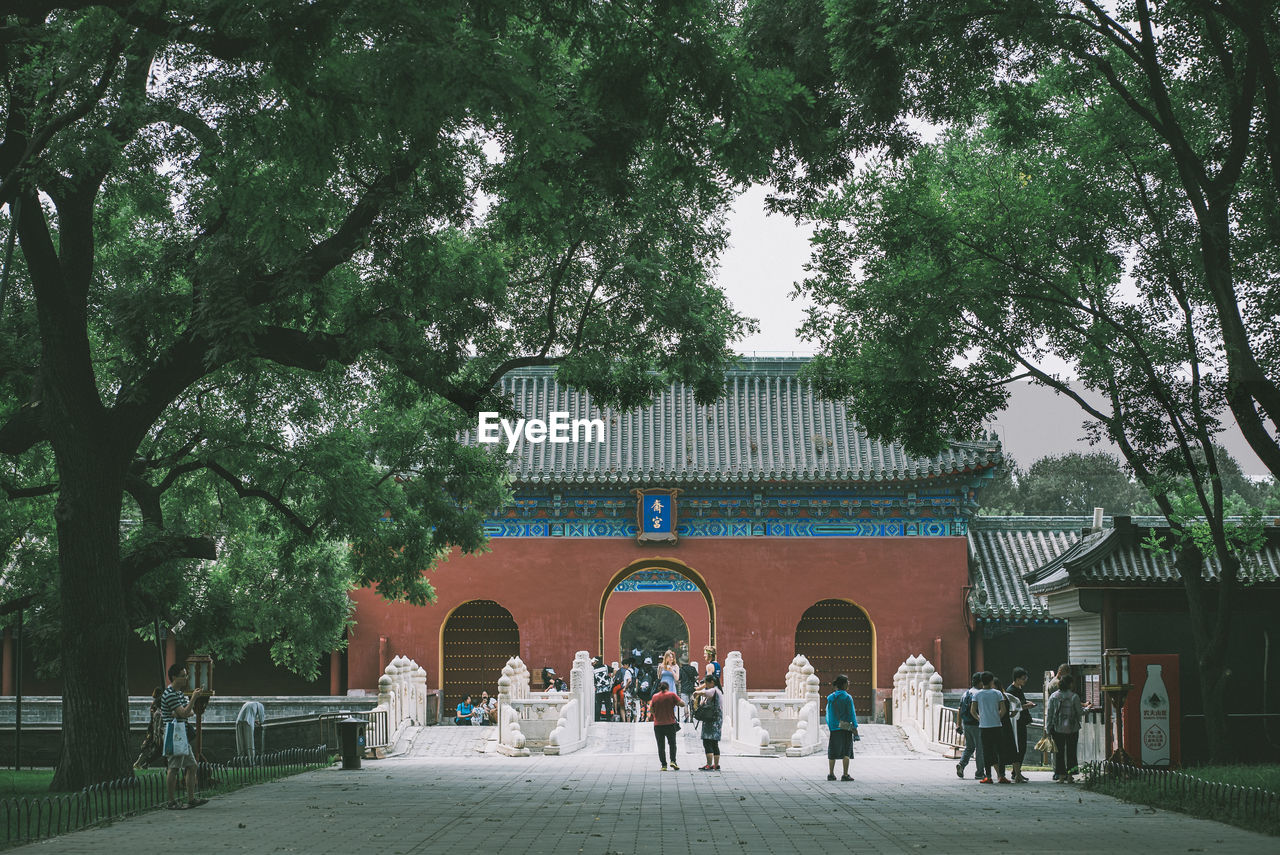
<point x="175" y="709"/>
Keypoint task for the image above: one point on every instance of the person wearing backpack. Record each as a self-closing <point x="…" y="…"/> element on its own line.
<point x="688" y="681"/>
<point x="644" y="692"/>
<point x="600" y="673"/>
<point x="969" y="726"/>
<point x="622" y="679"/>
<point x="1064" y="715"/>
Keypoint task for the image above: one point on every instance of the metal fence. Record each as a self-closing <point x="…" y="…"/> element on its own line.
<point x="949" y="730"/>
<point x="377" y="733"/>
<point x="1247" y="802"/>
<point x="26" y="819"/>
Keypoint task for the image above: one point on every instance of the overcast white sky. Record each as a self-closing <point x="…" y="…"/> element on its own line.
<point x="767" y="257"/>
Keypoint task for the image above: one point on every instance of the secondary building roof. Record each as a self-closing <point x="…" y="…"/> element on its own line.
<point x="1014" y="561"/>
<point x="1004" y="549"/>
<point x="1116" y="557"/>
<point x="768" y="426"/>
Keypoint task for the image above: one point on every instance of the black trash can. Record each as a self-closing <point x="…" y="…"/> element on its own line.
<point x="351" y="735"/>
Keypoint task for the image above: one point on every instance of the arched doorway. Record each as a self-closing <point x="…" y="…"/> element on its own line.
<point x="653" y="629"/>
<point x="476" y="640"/>
<point x="657" y="582"/>
<point x="837" y="638"/>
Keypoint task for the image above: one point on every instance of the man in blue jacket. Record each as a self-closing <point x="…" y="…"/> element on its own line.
<point x="843" y="724"/>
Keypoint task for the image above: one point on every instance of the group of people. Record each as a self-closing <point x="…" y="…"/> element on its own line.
<point x="994" y="720"/>
<point x="625" y="690"/>
<point x="482" y="712"/>
<point x="706" y="704"/>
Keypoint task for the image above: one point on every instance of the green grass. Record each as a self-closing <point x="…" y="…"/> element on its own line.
<point x="1198" y="802"/>
<point x="26" y="782"/>
<point x="1267" y="777"/>
<point x="34" y="784"/>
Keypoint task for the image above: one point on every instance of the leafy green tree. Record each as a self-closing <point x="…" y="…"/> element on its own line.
<point x="271" y="259"/>
<point x="1092" y="143"/>
<point x="1196" y="89"/>
<point x="653" y="630"/>
<point x="1073" y="484"/>
<point x="974" y="260"/>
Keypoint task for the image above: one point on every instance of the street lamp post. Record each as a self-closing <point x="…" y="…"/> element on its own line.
<point x="1116" y="685"/>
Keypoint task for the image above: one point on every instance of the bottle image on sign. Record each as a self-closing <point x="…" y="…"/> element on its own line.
<point x="1153" y="715"/>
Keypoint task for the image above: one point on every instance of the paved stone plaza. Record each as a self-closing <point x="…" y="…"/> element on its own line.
<point x="449" y="793"/>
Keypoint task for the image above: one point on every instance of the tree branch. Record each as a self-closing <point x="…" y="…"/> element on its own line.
<point x="156" y="552"/>
<point x="12" y="170"/>
<point x="244" y="491"/>
<point x="322" y="257"/>
<point x="14" y="492"/>
<point x="23" y="431"/>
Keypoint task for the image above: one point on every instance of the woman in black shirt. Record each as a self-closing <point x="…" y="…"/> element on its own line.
<point x="1020" y="715"/>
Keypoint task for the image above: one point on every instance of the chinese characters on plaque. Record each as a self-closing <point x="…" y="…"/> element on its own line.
<point x="656" y="515"/>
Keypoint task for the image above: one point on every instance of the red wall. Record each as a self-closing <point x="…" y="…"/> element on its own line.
<point x="911" y="588"/>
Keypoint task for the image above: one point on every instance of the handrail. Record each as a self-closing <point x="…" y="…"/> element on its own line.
<point x="949" y="732"/>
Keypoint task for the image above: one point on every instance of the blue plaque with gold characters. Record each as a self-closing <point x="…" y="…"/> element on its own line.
<point x="656" y="515"/>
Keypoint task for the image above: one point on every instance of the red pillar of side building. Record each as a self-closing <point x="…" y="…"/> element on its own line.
<point x="170" y="652"/>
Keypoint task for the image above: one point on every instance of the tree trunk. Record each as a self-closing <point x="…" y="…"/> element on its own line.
<point x="1208" y="632"/>
<point x="95" y="630"/>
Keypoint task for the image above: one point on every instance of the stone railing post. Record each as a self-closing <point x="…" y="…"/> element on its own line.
<point x="391" y="672"/>
<point x="899" y="677"/>
<point x="521" y="685"/>
<point x="913" y="687"/>
<point x="403" y="689"/>
<point x="934" y="703"/>
<point x="900" y="711"/>
<point x="808" y="734"/>
<point x="795" y="684"/>
<point x="918" y="700"/>
<point x="734" y="688"/>
<point x="582" y="683"/>
<point x="420" y="693"/>
<point x="513" y="685"/>
<point x="922" y="691"/>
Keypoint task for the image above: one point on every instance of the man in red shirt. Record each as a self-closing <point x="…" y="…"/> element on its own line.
<point x="663" y="708"/>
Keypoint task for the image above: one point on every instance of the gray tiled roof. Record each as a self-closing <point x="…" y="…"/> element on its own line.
<point x="768" y="426"/>
<point x="1014" y="561"/>
<point x="1115" y="556"/>
<point x="1002" y="550"/>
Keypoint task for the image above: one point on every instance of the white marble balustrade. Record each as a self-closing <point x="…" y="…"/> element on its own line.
<point x="917" y="702"/>
<point x="763" y="722"/>
<point x="402" y="692"/>
<point x="557" y="722"/>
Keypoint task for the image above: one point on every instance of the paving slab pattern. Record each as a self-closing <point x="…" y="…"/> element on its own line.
<point x="457" y="799"/>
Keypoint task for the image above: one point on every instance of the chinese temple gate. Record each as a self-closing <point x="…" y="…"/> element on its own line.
<point x="768" y="520"/>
